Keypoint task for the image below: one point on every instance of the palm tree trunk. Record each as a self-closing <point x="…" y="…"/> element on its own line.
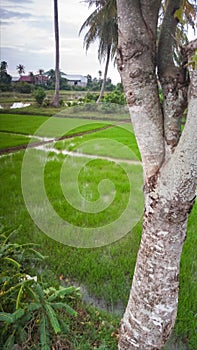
<point x="105" y="74"/>
<point x="57" y="56"/>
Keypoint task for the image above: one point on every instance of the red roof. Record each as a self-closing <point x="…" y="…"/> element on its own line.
<point x="25" y="78"/>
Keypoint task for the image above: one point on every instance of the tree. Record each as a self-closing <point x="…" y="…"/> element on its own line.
<point x="169" y="160"/>
<point x="57" y="56"/>
<point x="39" y="95"/>
<point x="31" y="74"/>
<point x="102" y="24"/>
<point x="41" y="71"/>
<point x="4" y="67"/>
<point x="21" y="69"/>
<point x="5" y="78"/>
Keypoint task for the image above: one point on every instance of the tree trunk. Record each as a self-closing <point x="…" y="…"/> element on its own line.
<point x="57" y="56"/>
<point x="170" y="175"/>
<point x="105" y="74"/>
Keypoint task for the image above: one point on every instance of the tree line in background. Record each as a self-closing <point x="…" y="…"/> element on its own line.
<point x="6" y="83"/>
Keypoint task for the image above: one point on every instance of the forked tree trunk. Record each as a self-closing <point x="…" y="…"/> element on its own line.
<point x="105" y="74"/>
<point x="170" y="171"/>
<point x="57" y="56"/>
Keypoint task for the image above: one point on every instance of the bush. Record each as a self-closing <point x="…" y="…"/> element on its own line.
<point x="31" y="313"/>
<point x="23" y="87"/>
<point x="89" y="97"/>
<point x="46" y="102"/>
<point x="40" y="95"/>
<point x="116" y="96"/>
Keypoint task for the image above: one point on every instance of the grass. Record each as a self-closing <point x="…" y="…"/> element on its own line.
<point x="20" y="124"/>
<point x="116" y="142"/>
<point x="28" y="125"/>
<point x="107" y="271"/>
<point x="101" y="269"/>
<point x="7" y="140"/>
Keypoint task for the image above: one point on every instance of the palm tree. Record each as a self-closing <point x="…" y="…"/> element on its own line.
<point x="57" y="56"/>
<point x="31" y="74"/>
<point x="4" y="67"/>
<point x="21" y="69"/>
<point x="102" y="25"/>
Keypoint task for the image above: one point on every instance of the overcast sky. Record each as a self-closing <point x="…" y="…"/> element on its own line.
<point x="27" y="37"/>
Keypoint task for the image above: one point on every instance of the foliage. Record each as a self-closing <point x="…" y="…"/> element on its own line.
<point x="90" y="97"/>
<point x="5" y="78"/>
<point x="115" y="97"/>
<point x="29" y="312"/>
<point x="40" y="95"/>
<point x="21" y="69"/>
<point x="102" y="25"/>
<point x="106" y="272"/>
<point x="23" y="87"/>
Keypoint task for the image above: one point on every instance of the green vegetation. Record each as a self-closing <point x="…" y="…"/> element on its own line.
<point x="8" y="140"/>
<point x="105" y="272"/>
<point x="28" y="125"/>
<point x="34" y="312"/>
<point x="40" y="95"/>
<point x="20" y="124"/>
<point x="110" y="143"/>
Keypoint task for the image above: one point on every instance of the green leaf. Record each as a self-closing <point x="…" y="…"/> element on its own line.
<point x="6" y="317"/>
<point x="33" y="306"/>
<point x="13" y="262"/>
<point x="52" y="318"/>
<point x="179" y="14"/>
<point x="9" y="343"/>
<point x="18" y="314"/>
<point x="31" y="291"/>
<point x="63" y="292"/>
<point x="64" y="327"/>
<point x="39" y="291"/>
<point x="70" y="311"/>
<point x="20" y="293"/>
<point x="44" y="334"/>
<point x="38" y="254"/>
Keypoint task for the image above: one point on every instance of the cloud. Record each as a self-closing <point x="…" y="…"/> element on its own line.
<point x="28" y="37"/>
<point x="20" y="1"/>
<point x="6" y="14"/>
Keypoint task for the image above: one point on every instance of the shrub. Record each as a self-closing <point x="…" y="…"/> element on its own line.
<point x="30" y="313"/>
<point x="116" y="96"/>
<point x="40" y="95"/>
<point x="46" y="102"/>
<point x="23" y="87"/>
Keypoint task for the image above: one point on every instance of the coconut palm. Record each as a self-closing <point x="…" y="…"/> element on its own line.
<point x="102" y="25"/>
<point x="4" y="67"/>
<point x="57" y="56"/>
<point x="21" y="69"/>
<point x="32" y="77"/>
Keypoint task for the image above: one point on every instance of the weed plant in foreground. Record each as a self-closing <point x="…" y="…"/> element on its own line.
<point x="37" y="315"/>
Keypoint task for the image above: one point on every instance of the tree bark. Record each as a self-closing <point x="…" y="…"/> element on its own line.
<point x="173" y="79"/>
<point x="57" y="56"/>
<point x="170" y="175"/>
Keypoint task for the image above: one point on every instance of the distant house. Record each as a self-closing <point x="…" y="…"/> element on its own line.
<point x="75" y="80"/>
<point x="36" y="79"/>
<point x="25" y="79"/>
<point x="41" y="79"/>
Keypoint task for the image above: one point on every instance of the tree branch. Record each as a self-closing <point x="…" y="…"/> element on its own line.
<point x="172" y="78"/>
<point x="136" y="63"/>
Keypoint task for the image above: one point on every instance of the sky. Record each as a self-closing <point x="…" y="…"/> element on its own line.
<point x="27" y="37"/>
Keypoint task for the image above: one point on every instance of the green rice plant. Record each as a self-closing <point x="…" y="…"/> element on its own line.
<point x="29" y="313"/>
<point x="9" y="140"/>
